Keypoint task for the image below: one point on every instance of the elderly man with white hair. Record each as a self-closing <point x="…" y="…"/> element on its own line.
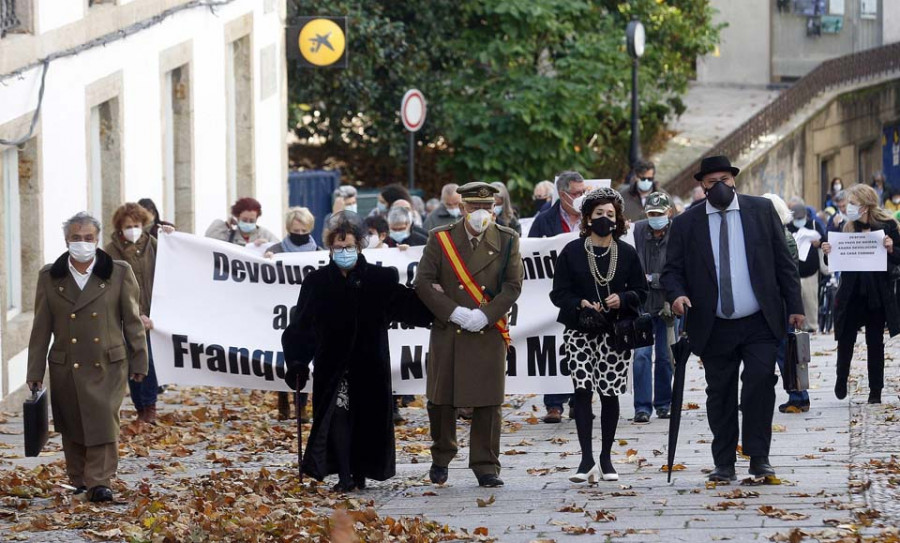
<point x="401" y="231"/>
<point x="448" y="212"/>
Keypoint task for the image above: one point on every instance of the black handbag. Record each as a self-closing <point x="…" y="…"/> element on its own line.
<point x="593" y="321"/>
<point x="796" y="362"/>
<point x="634" y="333"/>
<point x="36" y="420"/>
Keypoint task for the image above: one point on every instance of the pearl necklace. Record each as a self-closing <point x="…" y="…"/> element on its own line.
<point x="612" y="251"/>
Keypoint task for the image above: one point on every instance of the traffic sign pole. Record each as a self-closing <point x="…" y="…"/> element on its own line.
<point x="411" y="163"/>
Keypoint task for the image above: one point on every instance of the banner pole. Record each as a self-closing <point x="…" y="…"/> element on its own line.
<point x="299" y="430"/>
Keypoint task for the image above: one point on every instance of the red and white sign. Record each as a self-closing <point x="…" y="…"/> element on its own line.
<point x="412" y="110"/>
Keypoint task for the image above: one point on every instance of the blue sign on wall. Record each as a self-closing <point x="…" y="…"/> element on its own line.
<point x="890" y="146"/>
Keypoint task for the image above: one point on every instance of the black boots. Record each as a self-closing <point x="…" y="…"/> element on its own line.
<point x="875" y="396"/>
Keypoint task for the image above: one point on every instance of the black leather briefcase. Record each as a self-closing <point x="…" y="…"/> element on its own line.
<point x="796" y="362"/>
<point x="36" y="420"/>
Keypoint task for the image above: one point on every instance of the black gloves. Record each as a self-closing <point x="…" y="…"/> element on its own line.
<point x="591" y="320"/>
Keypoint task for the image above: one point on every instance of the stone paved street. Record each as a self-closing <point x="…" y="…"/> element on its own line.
<point x="833" y="462"/>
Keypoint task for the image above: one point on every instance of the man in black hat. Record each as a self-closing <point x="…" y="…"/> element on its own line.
<point x="737" y="310"/>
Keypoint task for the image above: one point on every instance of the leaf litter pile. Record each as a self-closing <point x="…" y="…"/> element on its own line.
<point x="207" y="473"/>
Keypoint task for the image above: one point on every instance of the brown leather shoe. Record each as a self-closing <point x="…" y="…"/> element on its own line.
<point x="140" y="414"/>
<point x="284" y="406"/>
<point x="553" y="416"/>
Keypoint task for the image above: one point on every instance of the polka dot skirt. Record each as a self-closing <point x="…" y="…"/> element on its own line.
<point x="595" y="364"/>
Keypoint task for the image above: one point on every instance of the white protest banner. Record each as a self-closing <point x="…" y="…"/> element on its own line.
<point x="857" y="251"/>
<point x="219" y="312"/>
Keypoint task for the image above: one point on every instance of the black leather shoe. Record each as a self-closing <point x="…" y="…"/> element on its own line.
<point x="100" y="494"/>
<point x="489" y="481"/>
<point x="874" y="396"/>
<point x="794" y="407"/>
<point x="760" y="467"/>
<point x="840" y="388"/>
<point x="359" y="481"/>
<point x="344" y="486"/>
<point x="80" y="490"/>
<point x="438" y="475"/>
<point x="723" y="474"/>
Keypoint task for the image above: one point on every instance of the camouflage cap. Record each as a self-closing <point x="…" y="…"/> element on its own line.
<point x="657" y="202"/>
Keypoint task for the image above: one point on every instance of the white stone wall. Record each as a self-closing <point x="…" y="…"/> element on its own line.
<point x="63" y="131"/>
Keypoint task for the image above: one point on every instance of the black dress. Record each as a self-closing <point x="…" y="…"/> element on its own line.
<point x="343" y="322"/>
<point x="593" y="360"/>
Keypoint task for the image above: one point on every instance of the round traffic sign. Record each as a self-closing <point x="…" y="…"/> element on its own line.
<point x="413" y="109"/>
<point x="321" y="42"/>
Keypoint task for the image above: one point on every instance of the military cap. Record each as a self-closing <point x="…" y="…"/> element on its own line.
<point x="657" y="202"/>
<point x="477" y="192"/>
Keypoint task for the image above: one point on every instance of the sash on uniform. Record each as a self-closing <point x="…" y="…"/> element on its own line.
<point x="465" y="278"/>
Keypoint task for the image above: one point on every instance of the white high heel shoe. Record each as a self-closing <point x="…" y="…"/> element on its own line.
<point x="611" y="476"/>
<point x="590" y="477"/>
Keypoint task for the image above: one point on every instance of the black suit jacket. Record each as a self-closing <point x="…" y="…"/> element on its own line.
<point x="691" y="269"/>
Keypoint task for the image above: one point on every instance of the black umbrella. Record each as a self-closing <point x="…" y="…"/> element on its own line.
<point x="299" y="429"/>
<point x="681" y="351"/>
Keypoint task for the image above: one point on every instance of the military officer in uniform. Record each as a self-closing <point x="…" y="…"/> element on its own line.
<point x="89" y="304"/>
<point x="469" y="276"/>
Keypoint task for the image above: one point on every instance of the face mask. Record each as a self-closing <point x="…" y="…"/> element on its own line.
<point x="453" y="211"/>
<point x="350" y="207"/>
<point x="133" y="234"/>
<point x="799" y="223"/>
<point x="853" y="212"/>
<point x="246" y="227"/>
<point x="345" y="258"/>
<point x="577" y="203"/>
<point x="896" y="199"/>
<point x="602" y="226"/>
<point x="644" y="185"/>
<point x="399" y="235"/>
<point x="837" y="187"/>
<point x="373" y="240"/>
<point x="479" y="220"/>
<point x="299" y="239"/>
<point x="720" y="195"/>
<point x="381" y="207"/>
<point x="658" y="223"/>
<point x="82" y="251"/>
<point x="498" y="210"/>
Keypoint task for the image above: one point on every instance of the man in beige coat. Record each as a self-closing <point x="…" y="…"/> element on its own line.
<point x="89" y="305"/>
<point x="467" y="355"/>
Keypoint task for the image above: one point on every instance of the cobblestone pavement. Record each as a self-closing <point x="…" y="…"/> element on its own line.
<point x="834" y="462"/>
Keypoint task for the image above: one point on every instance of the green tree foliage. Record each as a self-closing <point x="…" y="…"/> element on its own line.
<point x="518" y="89"/>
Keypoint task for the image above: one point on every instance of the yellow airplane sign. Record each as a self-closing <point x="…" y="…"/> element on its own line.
<point x="318" y="42"/>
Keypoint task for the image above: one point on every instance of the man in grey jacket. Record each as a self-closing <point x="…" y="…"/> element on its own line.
<point x="446" y="213"/>
<point x="651" y="236"/>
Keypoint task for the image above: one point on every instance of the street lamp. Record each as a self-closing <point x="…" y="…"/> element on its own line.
<point x="636" y="39"/>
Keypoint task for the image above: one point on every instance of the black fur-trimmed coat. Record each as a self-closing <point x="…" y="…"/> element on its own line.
<point x="342" y="323"/>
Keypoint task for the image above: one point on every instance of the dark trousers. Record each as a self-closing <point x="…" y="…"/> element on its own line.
<point x="748" y="340"/>
<point x="859" y="314"/>
<point x="484" y="438"/>
<point x="144" y="394"/>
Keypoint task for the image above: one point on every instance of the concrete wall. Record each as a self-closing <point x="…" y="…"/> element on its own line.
<point x="64" y="149"/>
<point x="840" y="134"/>
<point x="743" y="54"/>
<point x="890" y="24"/>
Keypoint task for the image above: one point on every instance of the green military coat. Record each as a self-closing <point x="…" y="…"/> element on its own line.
<point x="97" y="341"/>
<point x="468" y="369"/>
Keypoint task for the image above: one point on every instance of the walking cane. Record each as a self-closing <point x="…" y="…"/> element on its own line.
<point x="299" y="430"/>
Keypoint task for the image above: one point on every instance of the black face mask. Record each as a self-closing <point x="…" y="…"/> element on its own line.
<point x="299" y="239"/>
<point x="720" y="195"/>
<point x="602" y="226"/>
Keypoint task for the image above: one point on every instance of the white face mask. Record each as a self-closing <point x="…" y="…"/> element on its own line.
<point x="373" y="241"/>
<point x="853" y="212"/>
<point x="453" y="211"/>
<point x="133" y="234"/>
<point x="577" y="203"/>
<point x="350" y="207"/>
<point x="644" y="185"/>
<point x="799" y="223"/>
<point x="479" y="220"/>
<point x="82" y="251"/>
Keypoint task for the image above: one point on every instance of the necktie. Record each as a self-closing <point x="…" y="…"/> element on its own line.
<point x="726" y="296"/>
<point x="474" y="244"/>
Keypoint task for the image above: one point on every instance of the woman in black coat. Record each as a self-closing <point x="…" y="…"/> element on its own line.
<point x="598" y="279"/>
<point x="342" y="321"/>
<point x="866" y="298"/>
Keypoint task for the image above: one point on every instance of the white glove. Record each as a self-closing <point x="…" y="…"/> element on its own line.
<point x="477" y="321"/>
<point x="460" y="316"/>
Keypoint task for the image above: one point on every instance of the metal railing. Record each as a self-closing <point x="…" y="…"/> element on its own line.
<point x="8" y="19"/>
<point x="836" y="72"/>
